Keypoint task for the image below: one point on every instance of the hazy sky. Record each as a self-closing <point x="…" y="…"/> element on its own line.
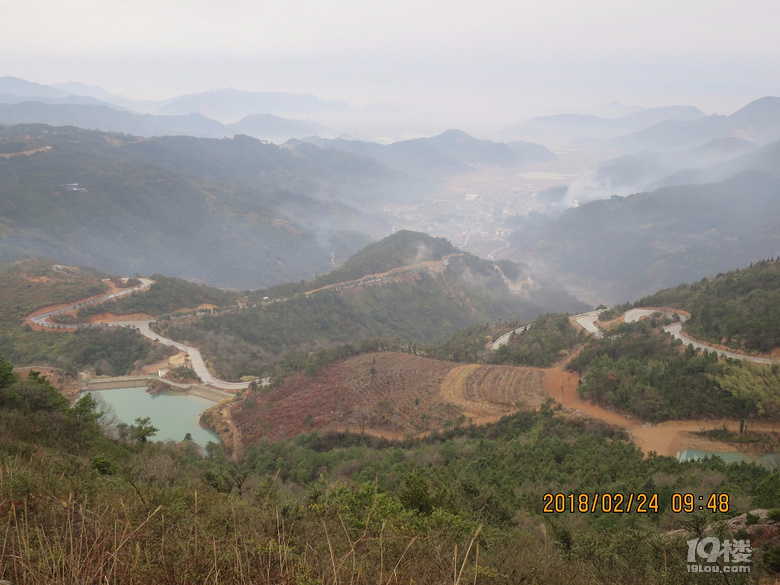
<point x="511" y="58"/>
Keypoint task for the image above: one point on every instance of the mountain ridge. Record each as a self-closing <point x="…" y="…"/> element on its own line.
<point x="758" y="121"/>
<point x="666" y="236"/>
<point x="173" y="205"/>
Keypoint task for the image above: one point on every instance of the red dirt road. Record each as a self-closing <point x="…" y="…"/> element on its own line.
<point x="667" y="438"/>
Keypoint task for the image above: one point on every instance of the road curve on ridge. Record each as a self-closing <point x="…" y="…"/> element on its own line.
<point x="504" y="339"/>
<point x="588" y="322"/>
<point x="196" y="359"/>
<point x="675" y="329"/>
<point x="43" y="318"/>
<point x="492" y="254"/>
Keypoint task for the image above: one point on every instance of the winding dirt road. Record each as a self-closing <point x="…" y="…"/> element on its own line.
<point x="41" y="318"/>
<point x="676" y="331"/>
<point x="667" y="438"/>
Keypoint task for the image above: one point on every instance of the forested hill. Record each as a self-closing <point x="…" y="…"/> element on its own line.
<point x="400" y="249"/>
<point x="626" y="247"/>
<point x="740" y="308"/>
<point x="639" y="368"/>
<point x="425" y="304"/>
<point x="237" y="213"/>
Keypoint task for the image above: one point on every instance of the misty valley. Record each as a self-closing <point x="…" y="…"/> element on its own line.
<point x="247" y="337"/>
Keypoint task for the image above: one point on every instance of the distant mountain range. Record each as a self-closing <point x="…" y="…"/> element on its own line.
<point x="277" y="116"/>
<point x="258" y="114"/>
<point x="683" y="152"/>
<point x="232" y="103"/>
<point x="689" y="197"/>
<point x="451" y="151"/>
<point x="223" y="104"/>
<point x="166" y="196"/>
<point x="758" y="122"/>
<point x="577" y="130"/>
<point x="232" y="212"/>
<point x="622" y="248"/>
<point x="75" y="104"/>
<point x="229" y="212"/>
<point x="650" y="169"/>
<point x="663" y="129"/>
<point x="713" y="161"/>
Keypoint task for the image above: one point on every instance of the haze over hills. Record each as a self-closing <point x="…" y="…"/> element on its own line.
<point x="366" y="240"/>
<point x="227" y="104"/>
<point x="764" y="158"/>
<point x="237" y="212"/>
<point x="184" y="206"/>
<point x="577" y="130"/>
<point x="451" y="151"/>
<point x="94" y="116"/>
<point x="657" y="129"/>
<point x="407" y="288"/>
<point x="667" y="146"/>
<point x="213" y="114"/>
<point x="677" y="153"/>
<point x="626" y="247"/>
<point x="759" y="122"/>
<point x="259" y="214"/>
<point x="636" y="172"/>
<point x="419" y="290"/>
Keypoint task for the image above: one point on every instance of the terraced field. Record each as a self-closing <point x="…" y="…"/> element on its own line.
<point x="391" y="395"/>
<point x="486" y="393"/>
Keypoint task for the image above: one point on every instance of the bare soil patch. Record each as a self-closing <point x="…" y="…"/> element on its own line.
<point x="114" y="318"/>
<point x="221" y="420"/>
<point x="562" y="386"/>
<point x="110" y="288"/>
<point x="67" y="385"/>
<point x="384" y="391"/>
<point x="175" y="360"/>
<point x="666" y="438"/>
<point x="486" y="393"/>
<point x="671" y="437"/>
<point x="26" y="152"/>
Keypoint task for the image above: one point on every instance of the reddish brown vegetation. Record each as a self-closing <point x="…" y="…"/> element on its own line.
<point x="388" y="394"/>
